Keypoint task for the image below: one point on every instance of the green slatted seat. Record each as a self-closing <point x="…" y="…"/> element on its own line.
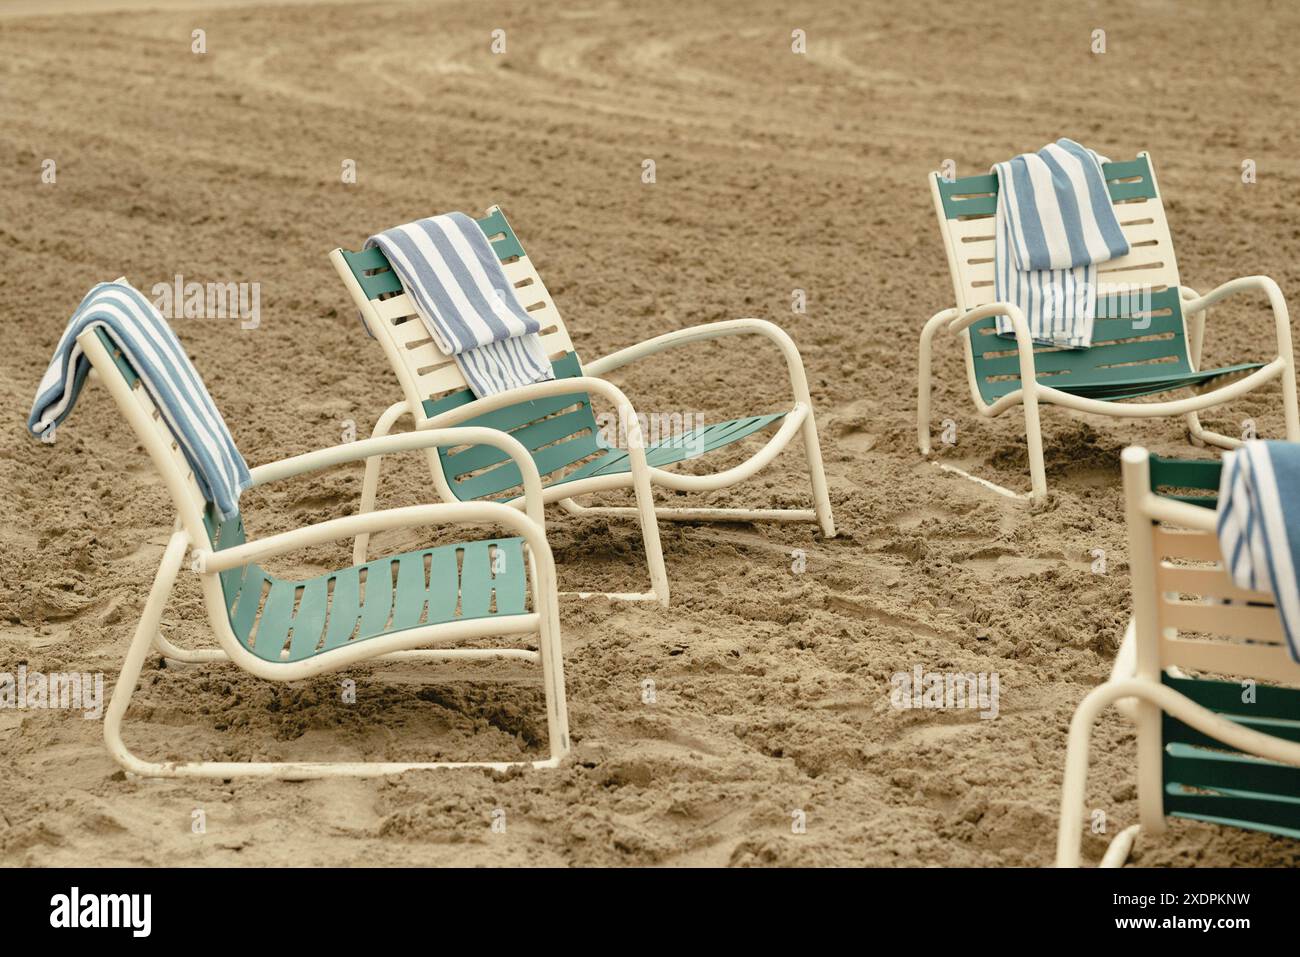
<point x="298" y="619"/>
<point x="1146" y="339"/>
<point x="1192" y="622"/>
<point x="1125" y="361"/>
<point x="1171" y="478"/>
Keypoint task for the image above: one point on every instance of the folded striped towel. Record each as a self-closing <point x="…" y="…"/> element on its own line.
<point x="1054" y="223"/>
<point x="148" y="343"/>
<point x="456" y="283"/>
<point x="1259" y="525"/>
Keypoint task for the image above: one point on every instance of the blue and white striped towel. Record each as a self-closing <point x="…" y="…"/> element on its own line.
<point x="455" y="281"/>
<point x="1259" y="525"/>
<point x="151" y="347"/>
<point x="1054" y="223"/>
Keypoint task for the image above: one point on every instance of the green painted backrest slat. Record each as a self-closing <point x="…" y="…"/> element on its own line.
<point x="1169" y="474"/>
<point x="1258" y="793"/>
<point x="977" y="195"/>
<point x="375" y="284"/>
<point x="537" y="424"/>
<point x="1129" y="342"/>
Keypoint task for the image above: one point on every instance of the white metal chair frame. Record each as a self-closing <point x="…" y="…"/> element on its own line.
<point x="1160" y="529"/>
<point x="420" y="382"/>
<point x="422" y="643"/>
<point x="968" y="263"/>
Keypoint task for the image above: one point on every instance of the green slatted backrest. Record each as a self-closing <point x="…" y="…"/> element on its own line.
<point x="560" y="432"/>
<point x="372" y="270"/>
<point x="1124" y="348"/>
<point x="972" y="196"/>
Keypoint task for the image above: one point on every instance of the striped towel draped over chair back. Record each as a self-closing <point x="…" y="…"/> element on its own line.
<point x="151" y="347"/>
<point x="1054" y="224"/>
<point x="451" y="274"/>
<point x="1259" y="525"/>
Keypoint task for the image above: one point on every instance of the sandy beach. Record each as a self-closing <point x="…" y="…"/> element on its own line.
<point x="775" y="172"/>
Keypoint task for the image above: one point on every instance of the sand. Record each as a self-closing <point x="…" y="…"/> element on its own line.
<point x="775" y="172"/>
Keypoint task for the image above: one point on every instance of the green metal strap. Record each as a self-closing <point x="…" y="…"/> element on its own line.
<point x="1170" y="474"/>
<point x="432" y="586"/>
<point x="556" y="438"/>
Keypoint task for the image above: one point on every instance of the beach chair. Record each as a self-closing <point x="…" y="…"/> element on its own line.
<point x="1150" y="342"/>
<point x="415" y="605"/>
<point x="554" y="420"/>
<point x="1224" y="749"/>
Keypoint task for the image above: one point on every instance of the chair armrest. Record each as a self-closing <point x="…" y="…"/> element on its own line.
<point x="538" y="390"/>
<point x="714" y="330"/>
<point x="1276" y="301"/>
<point x="210" y="562"/>
<point x="1019" y="325"/>
<point x="971" y="316"/>
<point x="408" y="441"/>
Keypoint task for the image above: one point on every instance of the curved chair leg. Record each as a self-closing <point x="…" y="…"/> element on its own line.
<point x="645" y="505"/>
<point x="1034" y="442"/>
<point x="1118" y="851"/>
<point x="146" y="633"/>
<point x="1290" y="407"/>
<point x="1201" y="436"/>
<point x="817" y="475"/>
<point x="924" y="364"/>
<point x="1074" y="786"/>
<point x="370" y="483"/>
<point x="189" y="656"/>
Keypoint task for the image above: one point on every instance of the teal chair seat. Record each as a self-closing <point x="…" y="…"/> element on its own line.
<point x="1131" y="356"/>
<point x="299" y="619"/>
<point x="560" y="432"/>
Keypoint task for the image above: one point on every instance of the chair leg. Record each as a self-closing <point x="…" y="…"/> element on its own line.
<point x="1118" y="851"/>
<point x="654" y="551"/>
<point x="924" y="365"/>
<point x="1201" y="436"/>
<point x="1034" y="442"/>
<point x="552" y="655"/>
<point x="370" y="483"/>
<point x="146" y="633"/>
<point x="1069" y="834"/>
<point x="817" y="474"/>
<point x="189" y="656"/>
<point x="1290" y="409"/>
